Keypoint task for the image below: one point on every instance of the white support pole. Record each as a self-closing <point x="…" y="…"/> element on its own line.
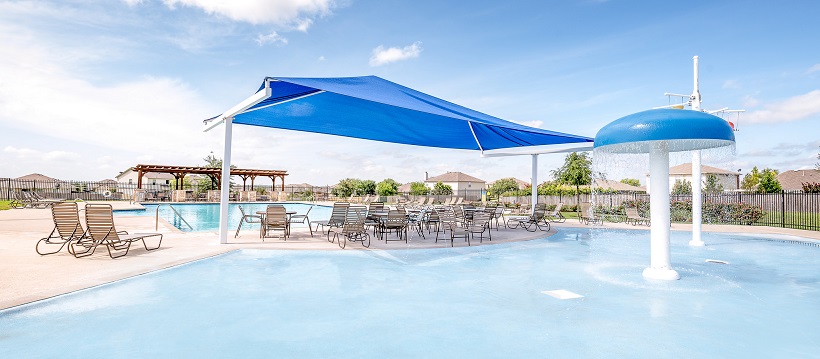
<point x="697" y="205"/>
<point x="225" y="187"/>
<point x="697" y="199"/>
<point x="660" y="254"/>
<point x="534" y="183"/>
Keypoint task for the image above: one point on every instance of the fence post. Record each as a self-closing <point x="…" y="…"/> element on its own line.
<point x="783" y="209"/>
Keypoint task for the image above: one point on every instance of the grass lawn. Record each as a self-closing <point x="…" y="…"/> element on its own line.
<point x="798" y="220"/>
<point x="4" y="205"/>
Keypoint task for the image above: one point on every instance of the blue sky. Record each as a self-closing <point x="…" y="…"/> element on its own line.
<point x="89" y="88"/>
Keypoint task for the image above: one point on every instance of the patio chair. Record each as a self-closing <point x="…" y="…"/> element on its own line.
<point x="302" y="218"/>
<point x="397" y="221"/>
<point x="498" y="213"/>
<point x="371" y="219"/>
<point x="67" y="228"/>
<point x="18" y="200"/>
<point x="556" y="215"/>
<point x="99" y="221"/>
<point x="459" y="201"/>
<point x="34" y="202"/>
<point x="276" y="219"/>
<point x="353" y="229"/>
<point x="337" y="218"/>
<point x="247" y="218"/>
<point x="479" y="225"/>
<point x="455" y="225"/>
<point x="632" y="216"/>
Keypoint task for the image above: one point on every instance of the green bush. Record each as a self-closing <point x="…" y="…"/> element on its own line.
<point x="681" y="211"/>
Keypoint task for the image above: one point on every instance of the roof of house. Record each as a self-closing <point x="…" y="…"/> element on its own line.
<point x="454" y="177"/>
<point x="37" y="177"/>
<point x="793" y="180"/>
<point x="617" y="186"/>
<point x="521" y="184"/>
<point x="686" y="169"/>
<point x="405" y="188"/>
<point x="151" y="175"/>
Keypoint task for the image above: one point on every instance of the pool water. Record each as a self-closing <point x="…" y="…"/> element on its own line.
<point x="471" y="302"/>
<point x="204" y="217"/>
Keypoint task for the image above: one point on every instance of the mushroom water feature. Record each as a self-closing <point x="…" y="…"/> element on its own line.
<point x="659" y="132"/>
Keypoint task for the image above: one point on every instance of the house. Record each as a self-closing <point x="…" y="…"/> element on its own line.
<point x="35" y="181"/>
<point x="610" y="185"/>
<point x="793" y="180"/>
<point x="459" y="181"/>
<point x="149" y="178"/>
<point x="728" y="179"/>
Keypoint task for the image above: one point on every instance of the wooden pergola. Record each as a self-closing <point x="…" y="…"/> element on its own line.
<point x="215" y="174"/>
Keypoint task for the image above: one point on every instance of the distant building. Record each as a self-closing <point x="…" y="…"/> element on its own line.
<point x="793" y="180"/>
<point x="36" y="181"/>
<point x="728" y="179"/>
<point x="149" y="178"/>
<point x="458" y="181"/>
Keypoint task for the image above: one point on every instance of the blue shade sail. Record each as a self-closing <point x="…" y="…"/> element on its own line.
<point x="681" y="130"/>
<point x="372" y="108"/>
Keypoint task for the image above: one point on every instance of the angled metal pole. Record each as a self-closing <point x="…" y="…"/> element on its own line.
<point x="225" y="185"/>
<point x="697" y="194"/>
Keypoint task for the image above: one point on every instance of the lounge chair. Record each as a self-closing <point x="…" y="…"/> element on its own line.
<point x="99" y="221"/>
<point x="337" y="218"/>
<point x="18" y="201"/>
<point x="302" y="218"/>
<point x="459" y="201"/>
<point x="247" y="218"/>
<point x="353" y="229"/>
<point x="556" y="215"/>
<point x="533" y="222"/>
<point x="276" y="219"/>
<point x="586" y="215"/>
<point x="632" y="216"/>
<point x="67" y="228"/>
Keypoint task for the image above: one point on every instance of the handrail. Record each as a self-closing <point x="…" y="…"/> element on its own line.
<point x="156" y="223"/>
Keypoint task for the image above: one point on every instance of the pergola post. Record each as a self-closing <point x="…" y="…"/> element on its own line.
<point x="534" y="183"/>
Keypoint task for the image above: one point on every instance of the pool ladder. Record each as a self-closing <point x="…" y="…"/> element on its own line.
<point x="156" y="216"/>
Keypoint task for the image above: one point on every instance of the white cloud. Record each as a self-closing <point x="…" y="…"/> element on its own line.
<point x="32" y="154"/>
<point x="813" y="69"/>
<point x="792" y="109"/>
<point x="383" y="56"/>
<point x="291" y="13"/>
<point x="272" y="38"/>
<point x="731" y="84"/>
<point x="321" y="58"/>
<point x="132" y="3"/>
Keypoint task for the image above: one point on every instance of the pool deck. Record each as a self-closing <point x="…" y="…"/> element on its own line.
<point x="26" y="276"/>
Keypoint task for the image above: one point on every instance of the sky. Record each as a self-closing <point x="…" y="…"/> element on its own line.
<point x="91" y="88"/>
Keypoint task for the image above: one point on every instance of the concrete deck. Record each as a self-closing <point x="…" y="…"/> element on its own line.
<point x="27" y="276"/>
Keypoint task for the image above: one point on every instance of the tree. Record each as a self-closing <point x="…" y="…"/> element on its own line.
<point x="768" y="182"/>
<point x="212" y="161"/>
<point x="576" y="171"/>
<point x="750" y="180"/>
<point x="713" y="185"/>
<point x="346" y="187"/>
<point x="441" y="189"/>
<point x="631" y="182"/>
<point x="366" y="187"/>
<point x="682" y="187"/>
<point x="418" y="189"/>
<point x="502" y="186"/>
<point x="388" y="187"/>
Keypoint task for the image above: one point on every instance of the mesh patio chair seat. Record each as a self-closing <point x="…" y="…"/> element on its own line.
<point x="395" y="221"/>
<point x="587" y="216"/>
<point x="99" y="223"/>
<point x="479" y="225"/>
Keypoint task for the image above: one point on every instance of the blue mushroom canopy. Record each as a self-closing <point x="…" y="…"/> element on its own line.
<point x="680" y="130"/>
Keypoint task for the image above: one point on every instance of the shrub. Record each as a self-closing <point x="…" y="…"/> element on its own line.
<point x="811" y="187"/>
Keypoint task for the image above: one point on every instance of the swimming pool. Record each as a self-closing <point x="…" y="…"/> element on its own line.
<point x="204" y="217"/>
<point x="483" y="301"/>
